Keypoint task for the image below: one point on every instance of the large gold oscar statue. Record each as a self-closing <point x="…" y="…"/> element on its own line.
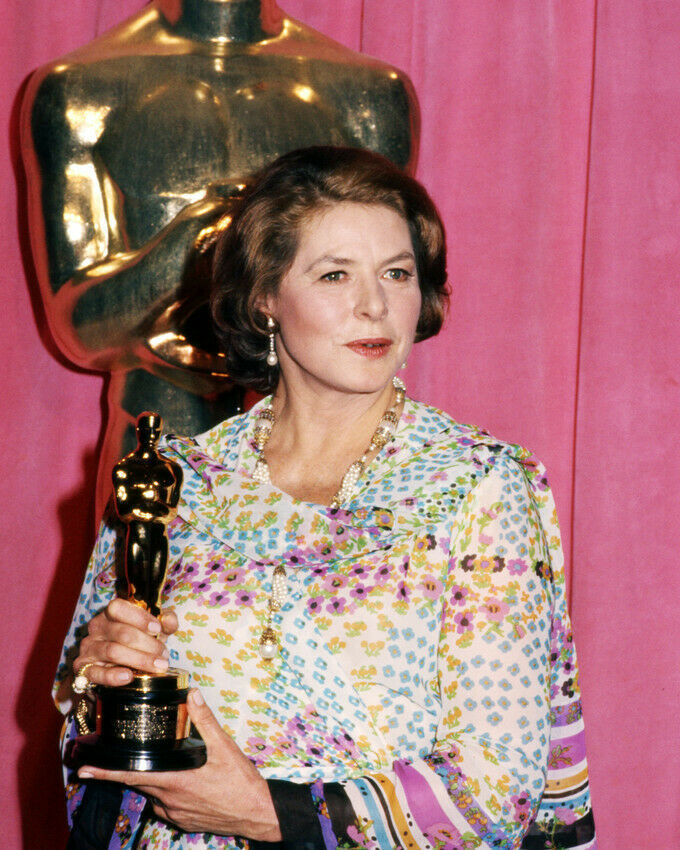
<point x="135" y="147"/>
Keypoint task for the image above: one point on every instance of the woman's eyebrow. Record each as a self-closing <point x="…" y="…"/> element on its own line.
<point x="405" y="255"/>
<point x="346" y="261"/>
<point x="327" y="258"/>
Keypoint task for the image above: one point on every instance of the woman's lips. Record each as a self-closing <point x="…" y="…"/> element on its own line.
<point x="377" y="347"/>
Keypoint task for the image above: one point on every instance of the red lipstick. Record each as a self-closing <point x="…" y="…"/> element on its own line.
<point x="373" y="347"/>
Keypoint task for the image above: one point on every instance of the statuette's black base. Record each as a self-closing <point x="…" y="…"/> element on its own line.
<point x="143" y="725"/>
<point x="120" y="755"/>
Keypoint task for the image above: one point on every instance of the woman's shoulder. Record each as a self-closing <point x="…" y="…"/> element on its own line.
<point x="435" y="462"/>
<point x="428" y="430"/>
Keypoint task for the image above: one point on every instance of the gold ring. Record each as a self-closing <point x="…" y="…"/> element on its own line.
<point x="81" y="683"/>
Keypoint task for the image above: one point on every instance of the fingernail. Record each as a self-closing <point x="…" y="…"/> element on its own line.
<point x="165" y="653"/>
<point x="197" y="697"/>
<point x="154" y="627"/>
<point x="160" y="663"/>
<point x="85" y="774"/>
<point x="123" y="676"/>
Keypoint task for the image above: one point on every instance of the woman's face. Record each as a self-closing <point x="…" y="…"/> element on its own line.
<point x="348" y="307"/>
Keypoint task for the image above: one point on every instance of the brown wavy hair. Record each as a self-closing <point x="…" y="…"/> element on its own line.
<point x="254" y="253"/>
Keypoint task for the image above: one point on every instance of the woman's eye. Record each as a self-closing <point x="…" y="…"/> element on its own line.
<point x="332" y="277"/>
<point x="398" y="274"/>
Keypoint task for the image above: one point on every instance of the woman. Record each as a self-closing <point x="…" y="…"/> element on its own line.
<point x="370" y="597"/>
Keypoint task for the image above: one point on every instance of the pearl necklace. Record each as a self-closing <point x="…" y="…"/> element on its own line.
<point x="269" y="643"/>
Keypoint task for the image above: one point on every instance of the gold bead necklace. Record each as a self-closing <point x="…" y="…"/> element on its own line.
<point x="383" y="434"/>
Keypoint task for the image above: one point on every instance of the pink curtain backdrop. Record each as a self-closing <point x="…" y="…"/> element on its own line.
<point x="550" y="142"/>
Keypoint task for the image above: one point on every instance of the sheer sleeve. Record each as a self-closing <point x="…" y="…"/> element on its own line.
<point x="97" y="591"/>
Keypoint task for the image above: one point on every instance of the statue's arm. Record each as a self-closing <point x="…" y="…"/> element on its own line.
<point x="101" y="295"/>
<point x="385" y="118"/>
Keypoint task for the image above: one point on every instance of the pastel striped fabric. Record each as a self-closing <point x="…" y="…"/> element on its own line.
<point x="426" y="693"/>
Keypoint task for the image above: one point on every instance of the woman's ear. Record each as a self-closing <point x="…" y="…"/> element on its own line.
<point x="265" y="305"/>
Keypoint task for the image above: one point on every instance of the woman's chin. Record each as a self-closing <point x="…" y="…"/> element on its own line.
<point x="362" y="378"/>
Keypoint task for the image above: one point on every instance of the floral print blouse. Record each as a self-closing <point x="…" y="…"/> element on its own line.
<point x="426" y="690"/>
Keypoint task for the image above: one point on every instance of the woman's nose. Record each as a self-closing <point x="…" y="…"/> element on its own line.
<point x="370" y="299"/>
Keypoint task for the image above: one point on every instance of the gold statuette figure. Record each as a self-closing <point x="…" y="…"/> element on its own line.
<point x="144" y="725"/>
<point x="135" y="147"/>
<point x="146" y="489"/>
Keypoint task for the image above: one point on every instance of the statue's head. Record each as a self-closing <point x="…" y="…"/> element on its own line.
<point x="149" y="426"/>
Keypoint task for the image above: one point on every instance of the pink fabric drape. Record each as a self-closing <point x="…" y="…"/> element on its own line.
<point x="549" y="141"/>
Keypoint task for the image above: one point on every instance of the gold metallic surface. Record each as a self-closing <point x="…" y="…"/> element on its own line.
<point x="170" y="681"/>
<point x="145" y="723"/>
<point x="83" y="717"/>
<point x="135" y="147"/>
<point x="146" y="488"/>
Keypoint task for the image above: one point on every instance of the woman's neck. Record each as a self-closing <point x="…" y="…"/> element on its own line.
<point x="314" y="440"/>
<point x="309" y="418"/>
<point x="245" y="21"/>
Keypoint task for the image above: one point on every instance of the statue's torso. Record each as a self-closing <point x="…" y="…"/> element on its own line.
<point x="153" y="129"/>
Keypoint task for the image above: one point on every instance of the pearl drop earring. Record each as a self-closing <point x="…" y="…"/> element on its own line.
<point x="272" y="359"/>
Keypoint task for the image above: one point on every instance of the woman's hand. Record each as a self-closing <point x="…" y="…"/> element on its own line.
<point x="124" y="636"/>
<point x="227" y="796"/>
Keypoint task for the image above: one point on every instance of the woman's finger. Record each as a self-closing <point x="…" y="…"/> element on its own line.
<point x="109" y="674"/>
<point x="205" y="721"/>
<point x="124" y="611"/>
<point x="123" y="634"/>
<point x="124" y="650"/>
<point x="151" y="783"/>
<point x="99" y="674"/>
<point x="169" y="622"/>
<point x="109" y="654"/>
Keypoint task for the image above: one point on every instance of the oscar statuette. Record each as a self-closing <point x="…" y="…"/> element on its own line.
<point x="143" y="725"/>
